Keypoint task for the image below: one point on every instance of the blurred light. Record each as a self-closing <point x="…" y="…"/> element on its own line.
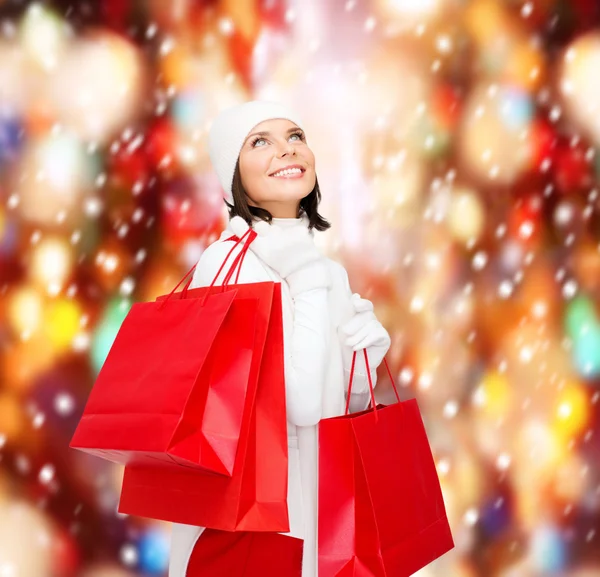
<point x="46" y="474"/>
<point x="506" y="51"/>
<point x="583" y="327"/>
<point x="105" y="570"/>
<point x="66" y="556"/>
<point x="44" y="35"/>
<point x="493" y="396"/>
<point x="12" y="420"/>
<point x="112" y="262"/>
<point x="62" y="162"/>
<point x="176" y="65"/>
<point x="580" y="82"/>
<point x="486" y="21"/>
<point x="429" y="137"/>
<point x="580" y="313"/>
<point x="495" y="142"/>
<point x="526" y="65"/>
<point x="64" y="404"/>
<point x="56" y="170"/>
<point x="572" y="410"/>
<point x="511" y="256"/>
<point x="98" y="86"/>
<point x="538" y="293"/>
<point x="495" y="516"/>
<point x="11" y="137"/>
<point x="51" y="262"/>
<point x="572" y="478"/>
<point x="398" y="188"/>
<point x="516" y="108"/>
<point x="548" y="551"/>
<point x="433" y="130"/>
<point x="587" y="352"/>
<point x="189" y="110"/>
<point x="106" y="331"/>
<point x="568" y="218"/>
<point x="129" y="554"/>
<point x="25" y="305"/>
<point x="538" y="449"/>
<point x="25" y="540"/>
<point x="409" y="12"/>
<point x="62" y="321"/>
<point x="14" y="91"/>
<point x="466" y="216"/>
<point x="269" y="50"/>
<point x="25" y="360"/>
<point x="154" y="552"/>
<point x="403" y="88"/>
<point x="586" y="266"/>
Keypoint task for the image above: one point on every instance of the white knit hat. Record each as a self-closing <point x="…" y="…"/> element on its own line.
<point x="229" y="130"/>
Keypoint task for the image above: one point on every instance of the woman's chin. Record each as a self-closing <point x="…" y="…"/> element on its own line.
<point x="289" y="191"/>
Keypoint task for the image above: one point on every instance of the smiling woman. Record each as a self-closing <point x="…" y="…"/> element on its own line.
<point x="275" y="176"/>
<point x="273" y="148"/>
<point x="267" y="172"/>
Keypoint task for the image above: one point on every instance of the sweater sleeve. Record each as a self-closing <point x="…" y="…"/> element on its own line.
<point x="306" y="333"/>
<point x="361" y="395"/>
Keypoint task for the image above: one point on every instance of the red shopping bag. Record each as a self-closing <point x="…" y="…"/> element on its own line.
<point x="174" y="385"/>
<point x="245" y="554"/>
<point x="381" y="510"/>
<point x="255" y="497"/>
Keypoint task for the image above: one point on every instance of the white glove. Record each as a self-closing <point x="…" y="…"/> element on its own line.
<point x="364" y="331"/>
<point x="291" y="253"/>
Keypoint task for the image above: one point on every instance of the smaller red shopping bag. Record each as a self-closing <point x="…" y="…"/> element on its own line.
<point x="245" y="554"/>
<point x="174" y="385"/>
<point x="381" y="510"/>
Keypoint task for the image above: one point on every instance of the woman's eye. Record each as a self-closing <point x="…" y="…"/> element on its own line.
<point x="258" y="138"/>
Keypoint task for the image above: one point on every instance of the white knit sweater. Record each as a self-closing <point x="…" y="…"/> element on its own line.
<point x="315" y="381"/>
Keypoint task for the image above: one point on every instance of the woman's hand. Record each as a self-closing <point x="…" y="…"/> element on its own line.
<point x="364" y="331"/>
<point x="291" y="253"/>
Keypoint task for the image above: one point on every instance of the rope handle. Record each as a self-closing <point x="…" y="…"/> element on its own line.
<point x="371" y="388"/>
<point x="237" y="262"/>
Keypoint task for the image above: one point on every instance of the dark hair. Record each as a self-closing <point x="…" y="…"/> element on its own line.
<point x="240" y="207"/>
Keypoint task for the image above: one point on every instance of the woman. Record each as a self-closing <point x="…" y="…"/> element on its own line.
<point x="267" y="170"/>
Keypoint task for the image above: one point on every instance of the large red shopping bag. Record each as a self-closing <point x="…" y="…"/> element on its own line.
<point x="255" y="497"/>
<point x="174" y="385"/>
<point x="381" y="510"/>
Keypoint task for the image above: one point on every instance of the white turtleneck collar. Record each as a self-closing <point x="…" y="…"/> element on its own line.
<point x="284" y="223"/>
<point x="290" y="222"/>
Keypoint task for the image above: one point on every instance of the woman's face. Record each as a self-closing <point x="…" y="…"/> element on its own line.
<point x="281" y="144"/>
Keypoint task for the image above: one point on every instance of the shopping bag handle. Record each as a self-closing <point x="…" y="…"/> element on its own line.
<point x="236" y="261"/>
<point x="239" y="258"/>
<point x="162" y="303"/>
<point x="373" y="404"/>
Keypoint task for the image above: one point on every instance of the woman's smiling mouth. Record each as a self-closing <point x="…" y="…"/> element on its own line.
<point x="293" y="171"/>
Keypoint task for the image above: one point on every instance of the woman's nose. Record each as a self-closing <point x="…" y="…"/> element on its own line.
<point x="289" y="149"/>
